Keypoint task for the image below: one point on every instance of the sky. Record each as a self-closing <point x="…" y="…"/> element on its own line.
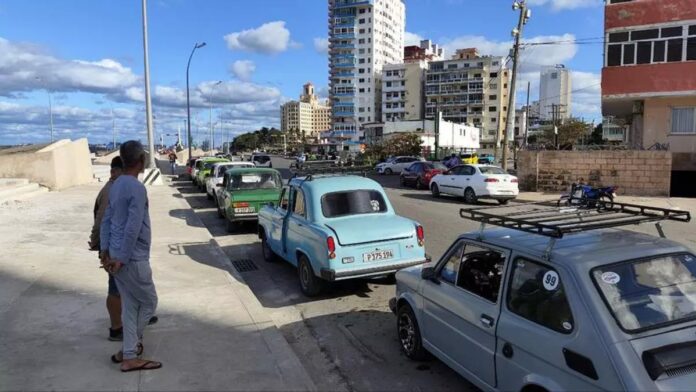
<point x="86" y="56"/>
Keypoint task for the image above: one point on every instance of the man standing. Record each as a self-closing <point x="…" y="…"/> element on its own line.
<point x="125" y="251"/>
<point x="172" y="161"/>
<point x="113" y="300"/>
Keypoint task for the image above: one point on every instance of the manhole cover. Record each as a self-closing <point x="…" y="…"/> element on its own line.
<point x="244" y="265"/>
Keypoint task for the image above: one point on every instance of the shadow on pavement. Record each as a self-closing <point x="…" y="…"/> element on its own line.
<point x="377" y="346"/>
<point x="448" y="200"/>
<point x="188" y="215"/>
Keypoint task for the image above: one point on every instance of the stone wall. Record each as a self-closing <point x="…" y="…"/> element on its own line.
<point x="57" y="166"/>
<point x="637" y="173"/>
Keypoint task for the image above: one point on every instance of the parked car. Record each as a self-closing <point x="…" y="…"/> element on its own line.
<point x="419" y="174"/>
<point x="190" y="165"/>
<point x="338" y="227"/>
<point x="515" y="309"/>
<point x="486" y="159"/>
<point x="395" y="165"/>
<point x="204" y="171"/>
<point x="244" y="191"/>
<point x="217" y="172"/>
<point x="475" y="182"/>
<point x="261" y="160"/>
<point x="469" y="158"/>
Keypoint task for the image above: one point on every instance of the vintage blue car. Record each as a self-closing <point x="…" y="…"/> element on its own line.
<point x="336" y="227"/>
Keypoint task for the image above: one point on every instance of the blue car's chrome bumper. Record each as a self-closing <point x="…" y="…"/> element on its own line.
<point x="332" y="275"/>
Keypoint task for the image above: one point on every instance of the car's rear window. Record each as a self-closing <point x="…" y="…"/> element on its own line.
<point x="648" y="293"/>
<point x="261" y="158"/>
<point x="254" y="180"/>
<point x="491" y="170"/>
<point x="356" y="202"/>
<point x="435" y="166"/>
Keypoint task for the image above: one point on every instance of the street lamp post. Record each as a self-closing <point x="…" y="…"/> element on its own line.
<point x="148" y="102"/>
<point x="188" y="105"/>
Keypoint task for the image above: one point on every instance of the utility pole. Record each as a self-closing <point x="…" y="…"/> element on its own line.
<point x="526" y="121"/>
<point x="437" y="129"/>
<point x="113" y="128"/>
<point x="525" y="14"/>
<point x="148" y="102"/>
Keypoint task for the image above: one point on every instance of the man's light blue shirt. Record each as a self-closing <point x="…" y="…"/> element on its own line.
<point x="125" y="228"/>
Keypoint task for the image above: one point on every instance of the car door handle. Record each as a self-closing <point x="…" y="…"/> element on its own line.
<point x="487" y="321"/>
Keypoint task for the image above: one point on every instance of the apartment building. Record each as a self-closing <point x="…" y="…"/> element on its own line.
<point x="649" y="77"/>
<point x="555" y="92"/>
<point x="470" y="89"/>
<point x="306" y="115"/>
<point x="364" y="36"/>
<point x="402" y="84"/>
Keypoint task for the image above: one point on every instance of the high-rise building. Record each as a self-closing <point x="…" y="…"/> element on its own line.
<point x="649" y="79"/>
<point x="307" y="115"/>
<point x="555" y="93"/>
<point x="425" y="51"/>
<point x="364" y="35"/>
<point x="470" y="89"/>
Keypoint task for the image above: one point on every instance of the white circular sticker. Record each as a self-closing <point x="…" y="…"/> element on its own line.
<point x="567" y="326"/>
<point x="551" y="280"/>
<point x="611" y="277"/>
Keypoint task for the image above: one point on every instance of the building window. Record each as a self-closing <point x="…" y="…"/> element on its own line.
<point x="650" y="46"/>
<point x="492" y="97"/>
<point x="492" y="109"/>
<point x="683" y="120"/>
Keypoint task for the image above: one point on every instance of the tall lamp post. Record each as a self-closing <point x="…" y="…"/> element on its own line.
<point x="188" y="105"/>
<point x="50" y="109"/>
<point x="148" y="102"/>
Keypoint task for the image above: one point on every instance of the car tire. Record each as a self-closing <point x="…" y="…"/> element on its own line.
<point x="469" y="196"/>
<point x="310" y="284"/>
<point x="268" y="255"/>
<point x="409" y="335"/>
<point x="219" y="210"/>
<point x="419" y="184"/>
<point x="388" y="171"/>
<point x="402" y="181"/>
<point x="435" y="190"/>
<point x="210" y="197"/>
<point x="503" y="202"/>
<point x="230" y="226"/>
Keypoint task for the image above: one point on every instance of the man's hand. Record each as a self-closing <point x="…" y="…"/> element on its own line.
<point x="113" y="266"/>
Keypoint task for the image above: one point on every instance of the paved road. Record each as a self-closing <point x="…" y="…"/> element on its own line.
<point x="347" y="337"/>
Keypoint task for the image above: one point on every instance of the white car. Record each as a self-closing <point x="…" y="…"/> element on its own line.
<point x="395" y="165"/>
<point x="261" y="160"/>
<point x="217" y="172"/>
<point x="475" y="182"/>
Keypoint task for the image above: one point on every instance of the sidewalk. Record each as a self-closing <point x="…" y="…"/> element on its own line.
<point x="663" y="202"/>
<point x="213" y="334"/>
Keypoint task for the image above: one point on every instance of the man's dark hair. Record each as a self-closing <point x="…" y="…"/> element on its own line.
<point x="131" y="153"/>
<point x="117" y="163"/>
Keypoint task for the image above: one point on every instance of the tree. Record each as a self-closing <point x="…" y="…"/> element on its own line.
<point x="402" y="144"/>
<point x="568" y="133"/>
<point x="597" y="136"/>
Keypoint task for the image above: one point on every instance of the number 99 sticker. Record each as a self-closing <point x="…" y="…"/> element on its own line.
<point x="551" y="280"/>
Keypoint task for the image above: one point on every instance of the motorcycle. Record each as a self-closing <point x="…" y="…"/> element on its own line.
<point x="587" y="196"/>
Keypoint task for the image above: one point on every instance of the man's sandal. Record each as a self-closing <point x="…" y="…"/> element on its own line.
<point x="147" y="365"/>
<point x="114" y="358"/>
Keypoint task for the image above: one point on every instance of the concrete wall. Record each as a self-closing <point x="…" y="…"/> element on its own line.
<point x="657" y="126"/>
<point x="637" y="173"/>
<point x="57" y="166"/>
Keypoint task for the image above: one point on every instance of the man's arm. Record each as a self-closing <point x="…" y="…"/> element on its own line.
<point x="134" y="223"/>
<point x="105" y="230"/>
<point x="101" y="204"/>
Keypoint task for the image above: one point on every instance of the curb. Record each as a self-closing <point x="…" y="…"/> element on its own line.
<point x="289" y="365"/>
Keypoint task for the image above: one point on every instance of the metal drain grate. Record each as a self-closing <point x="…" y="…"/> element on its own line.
<point x="244" y="265"/>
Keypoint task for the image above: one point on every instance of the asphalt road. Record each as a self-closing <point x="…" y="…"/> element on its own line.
<point x="347" y="337"/>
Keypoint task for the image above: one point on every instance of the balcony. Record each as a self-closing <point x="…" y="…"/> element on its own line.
<point x="342" y="74"/>
<point x="342" y="46"/>
<point x="339" y="4"/>
<point x="343" y="36"/>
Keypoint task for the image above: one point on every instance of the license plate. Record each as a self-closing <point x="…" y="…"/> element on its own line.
<point x="378" y="255"/>
<point x="244" y="210"/>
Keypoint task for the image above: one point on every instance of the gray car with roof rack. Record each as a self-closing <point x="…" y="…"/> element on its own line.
<point x="557" y="298"/>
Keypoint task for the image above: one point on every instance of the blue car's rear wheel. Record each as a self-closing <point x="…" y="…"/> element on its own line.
<point x="409" y="334"/>
<point x="310" y="284"/>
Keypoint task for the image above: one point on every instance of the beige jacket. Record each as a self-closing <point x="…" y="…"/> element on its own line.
<point x="99" y="209"/>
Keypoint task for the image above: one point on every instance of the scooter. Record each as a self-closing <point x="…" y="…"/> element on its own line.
<point x="587" y="196"/>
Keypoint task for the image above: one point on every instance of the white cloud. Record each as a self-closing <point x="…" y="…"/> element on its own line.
<point x="271" y="37"/>
<point x="243" y="69"/>
<point x="558" y="5"/>
<point x="412" y="39"/>
<point x="321" y="45"/>
<point x="25" y="67"/>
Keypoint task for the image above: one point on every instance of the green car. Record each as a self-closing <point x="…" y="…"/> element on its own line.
<point x="204" y="165"/>
<point x="244" y="192"/>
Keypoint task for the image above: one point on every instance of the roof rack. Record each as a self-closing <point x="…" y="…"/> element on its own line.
<point x="309" y="172"/>
<point x="548" y="219"/>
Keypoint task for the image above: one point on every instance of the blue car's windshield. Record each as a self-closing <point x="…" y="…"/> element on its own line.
<point x="649" y="293"/>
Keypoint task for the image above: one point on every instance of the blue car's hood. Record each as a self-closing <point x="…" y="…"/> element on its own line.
<point x="360" y="229"/>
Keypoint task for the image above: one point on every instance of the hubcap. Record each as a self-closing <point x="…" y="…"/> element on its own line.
<point x="304" y="275"/>
<point x="407" y="333"/>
